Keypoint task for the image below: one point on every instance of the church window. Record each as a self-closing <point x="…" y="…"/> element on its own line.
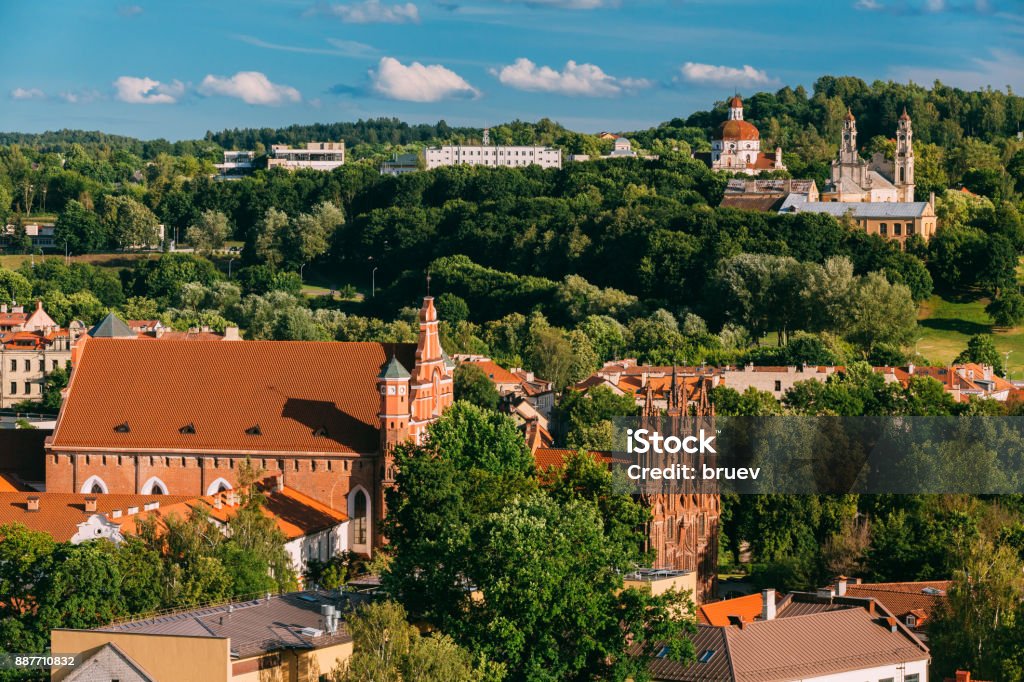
<point x="359" y="518"/>
<point x="903" y="174"/>
<point x="96" y="489"/>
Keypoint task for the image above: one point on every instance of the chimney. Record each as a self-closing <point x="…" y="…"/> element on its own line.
<point x="768" y="604"/>
<point x="840" y="586"/>
<point x="3" y="307"/>
<point x="231" y="334"/>
<point x="33" y="503"/>
<point x="826" y="592"/>
<point x="890" y="623"/>
<point x="963" y="676"/>
<point x="279" y="483"/>
<point x="90" y="504"/>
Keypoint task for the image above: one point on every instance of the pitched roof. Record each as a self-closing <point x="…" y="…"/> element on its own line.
<point x="394" y="370"/>
<point x="254" y="627"/>
<point x="305" y="397"/>
<point x="111" y="327"/>
<point x="797" y="203"/>
<point x="717" y="613"/>
<point x="814" y="644"/>
<point x="903" y="598"/>
<point x="60" y="513"/>
<point x="712" y="664"/>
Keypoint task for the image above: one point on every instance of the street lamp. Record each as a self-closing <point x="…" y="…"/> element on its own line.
<point x="230" y="261"/>
<point x="301" y="267"/>
<point x="373" y="283"/>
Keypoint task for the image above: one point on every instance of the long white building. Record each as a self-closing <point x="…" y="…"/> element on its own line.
<point x="488" y="154"/>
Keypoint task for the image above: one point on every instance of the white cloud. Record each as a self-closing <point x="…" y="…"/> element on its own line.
<point x="80" y="96"/>
<point x="709" y="74"/>
<point x="569" y="4"/>
<point x="252" y="87"/>
<point x="27" y="93"/>
<point x="587" y="80"/>
<point x="418" y="82"/>
<point x="341" y="48"/>
<point x="924" y="6"/>
<point x="369" y="12"/>
<point x="145" y="90"/>
<point x="129" y="10"/>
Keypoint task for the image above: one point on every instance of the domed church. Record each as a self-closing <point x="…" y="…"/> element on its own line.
<point x="737" y="146"/>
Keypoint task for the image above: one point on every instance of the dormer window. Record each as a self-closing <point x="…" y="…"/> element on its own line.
<point x="254" y="431"/>
<point x="187" y="429"/>
<point x="122" y="428"/>
<point x="320" y="431"/>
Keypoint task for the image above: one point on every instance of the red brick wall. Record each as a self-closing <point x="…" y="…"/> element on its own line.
<point x="327" y="480"/>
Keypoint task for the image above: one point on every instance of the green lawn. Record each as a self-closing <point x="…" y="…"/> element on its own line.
<point x="945" y="326"/>
<point x="108" y="260"/>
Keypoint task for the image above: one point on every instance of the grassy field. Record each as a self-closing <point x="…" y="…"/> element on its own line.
<point x="945" y="326"/>
<point x="110" y="260"/>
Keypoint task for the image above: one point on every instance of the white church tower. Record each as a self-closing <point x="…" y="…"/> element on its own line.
<point x="903" y="172"/>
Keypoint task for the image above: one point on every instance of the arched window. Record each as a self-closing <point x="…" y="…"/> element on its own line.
<point x="437" y="392"/>
<point x="94" y="485"/>
<point x="359" y="516"/>
<point x="218" y="486"/>
<point x="903" y="174"/>
<point x="154" y="486"/>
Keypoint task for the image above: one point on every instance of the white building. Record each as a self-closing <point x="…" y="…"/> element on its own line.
<point x="737" y="146"/>
<point x="325" y="156"/>
<point x="236" y="164"/>
<point x="487" y="154"/>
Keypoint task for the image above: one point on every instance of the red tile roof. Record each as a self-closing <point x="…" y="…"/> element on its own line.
<point x="305" y="397"/>
<point x="60" y="513"/>
<point x="903" y="598"/>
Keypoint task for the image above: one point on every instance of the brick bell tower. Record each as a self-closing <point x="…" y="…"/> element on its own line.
<point x="431" y="386"/>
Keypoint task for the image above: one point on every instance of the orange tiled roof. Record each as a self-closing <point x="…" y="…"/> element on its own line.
<point x="717" y="613"/>
<point x="305" y="397"/>
<point x="903" y="598"/>
<point x="294" y="513"/>
<point x="496" y="373"/>
<point x="60" y="513"/>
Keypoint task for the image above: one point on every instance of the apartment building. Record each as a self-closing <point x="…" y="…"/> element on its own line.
<point x="324" y="156"/>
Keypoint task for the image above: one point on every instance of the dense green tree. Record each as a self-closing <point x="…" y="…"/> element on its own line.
<point x="981" y="348"/>
<point x="473" y="385"/>
<point x="208" y="232"/>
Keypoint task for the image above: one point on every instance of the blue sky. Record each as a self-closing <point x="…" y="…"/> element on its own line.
<point x="176" y="68"/>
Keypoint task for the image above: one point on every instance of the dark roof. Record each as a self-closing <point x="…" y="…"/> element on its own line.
<point x="254" y="627"/>
<point x="715" y="668"/>
<point x="112" y="327"/>
<point x="394" y="370"/>
<point x="764" y="204"/>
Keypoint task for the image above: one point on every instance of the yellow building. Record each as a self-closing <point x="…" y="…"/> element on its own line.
<point x="889" y="219"/>
<point x="296" y="637"/>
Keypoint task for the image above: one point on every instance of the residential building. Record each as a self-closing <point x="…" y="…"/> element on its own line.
<point x="660" y="581"/>
<point x="324" y="156"/>
<point x="515" y="384"/>
<point x="736" y="146"/>
<point x="913" y="603"/>
<point x="323" y="415"/>
<point x="40" y="235"/>
<point x="236" y="164"/>
<point x="31" y="346"/>
<point x="495" y="156"/>
<point x="892" y="220"/>
<point x="765" y="195"/>
<point x="820" y="637"/>
<point x="400" y="164"/>
<point x="854" y="180"/>
<point x="298" y="636"/>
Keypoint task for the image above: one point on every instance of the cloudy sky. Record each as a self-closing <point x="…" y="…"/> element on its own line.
<point x="177" y="68"/>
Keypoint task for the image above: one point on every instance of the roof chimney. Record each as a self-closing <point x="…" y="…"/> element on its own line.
<point x="231" y="334"/>
<point x="963" y="676"/>
<point x="840" y="586"/>
<point x="90" y="504"/>
<point x="768" y="604"/>
<point x="826" y="592"/>
<point x="279" y="483"/>
<point x="33" y="503"/>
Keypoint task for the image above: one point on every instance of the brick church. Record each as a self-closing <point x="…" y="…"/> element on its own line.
<point x="177" y="417"/>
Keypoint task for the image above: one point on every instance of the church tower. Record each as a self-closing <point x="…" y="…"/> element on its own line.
<point x="903" y="172"/>
<point x="431" y="386"/>
<point x="848" y="147"/>
<point x="736" y="109"/>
